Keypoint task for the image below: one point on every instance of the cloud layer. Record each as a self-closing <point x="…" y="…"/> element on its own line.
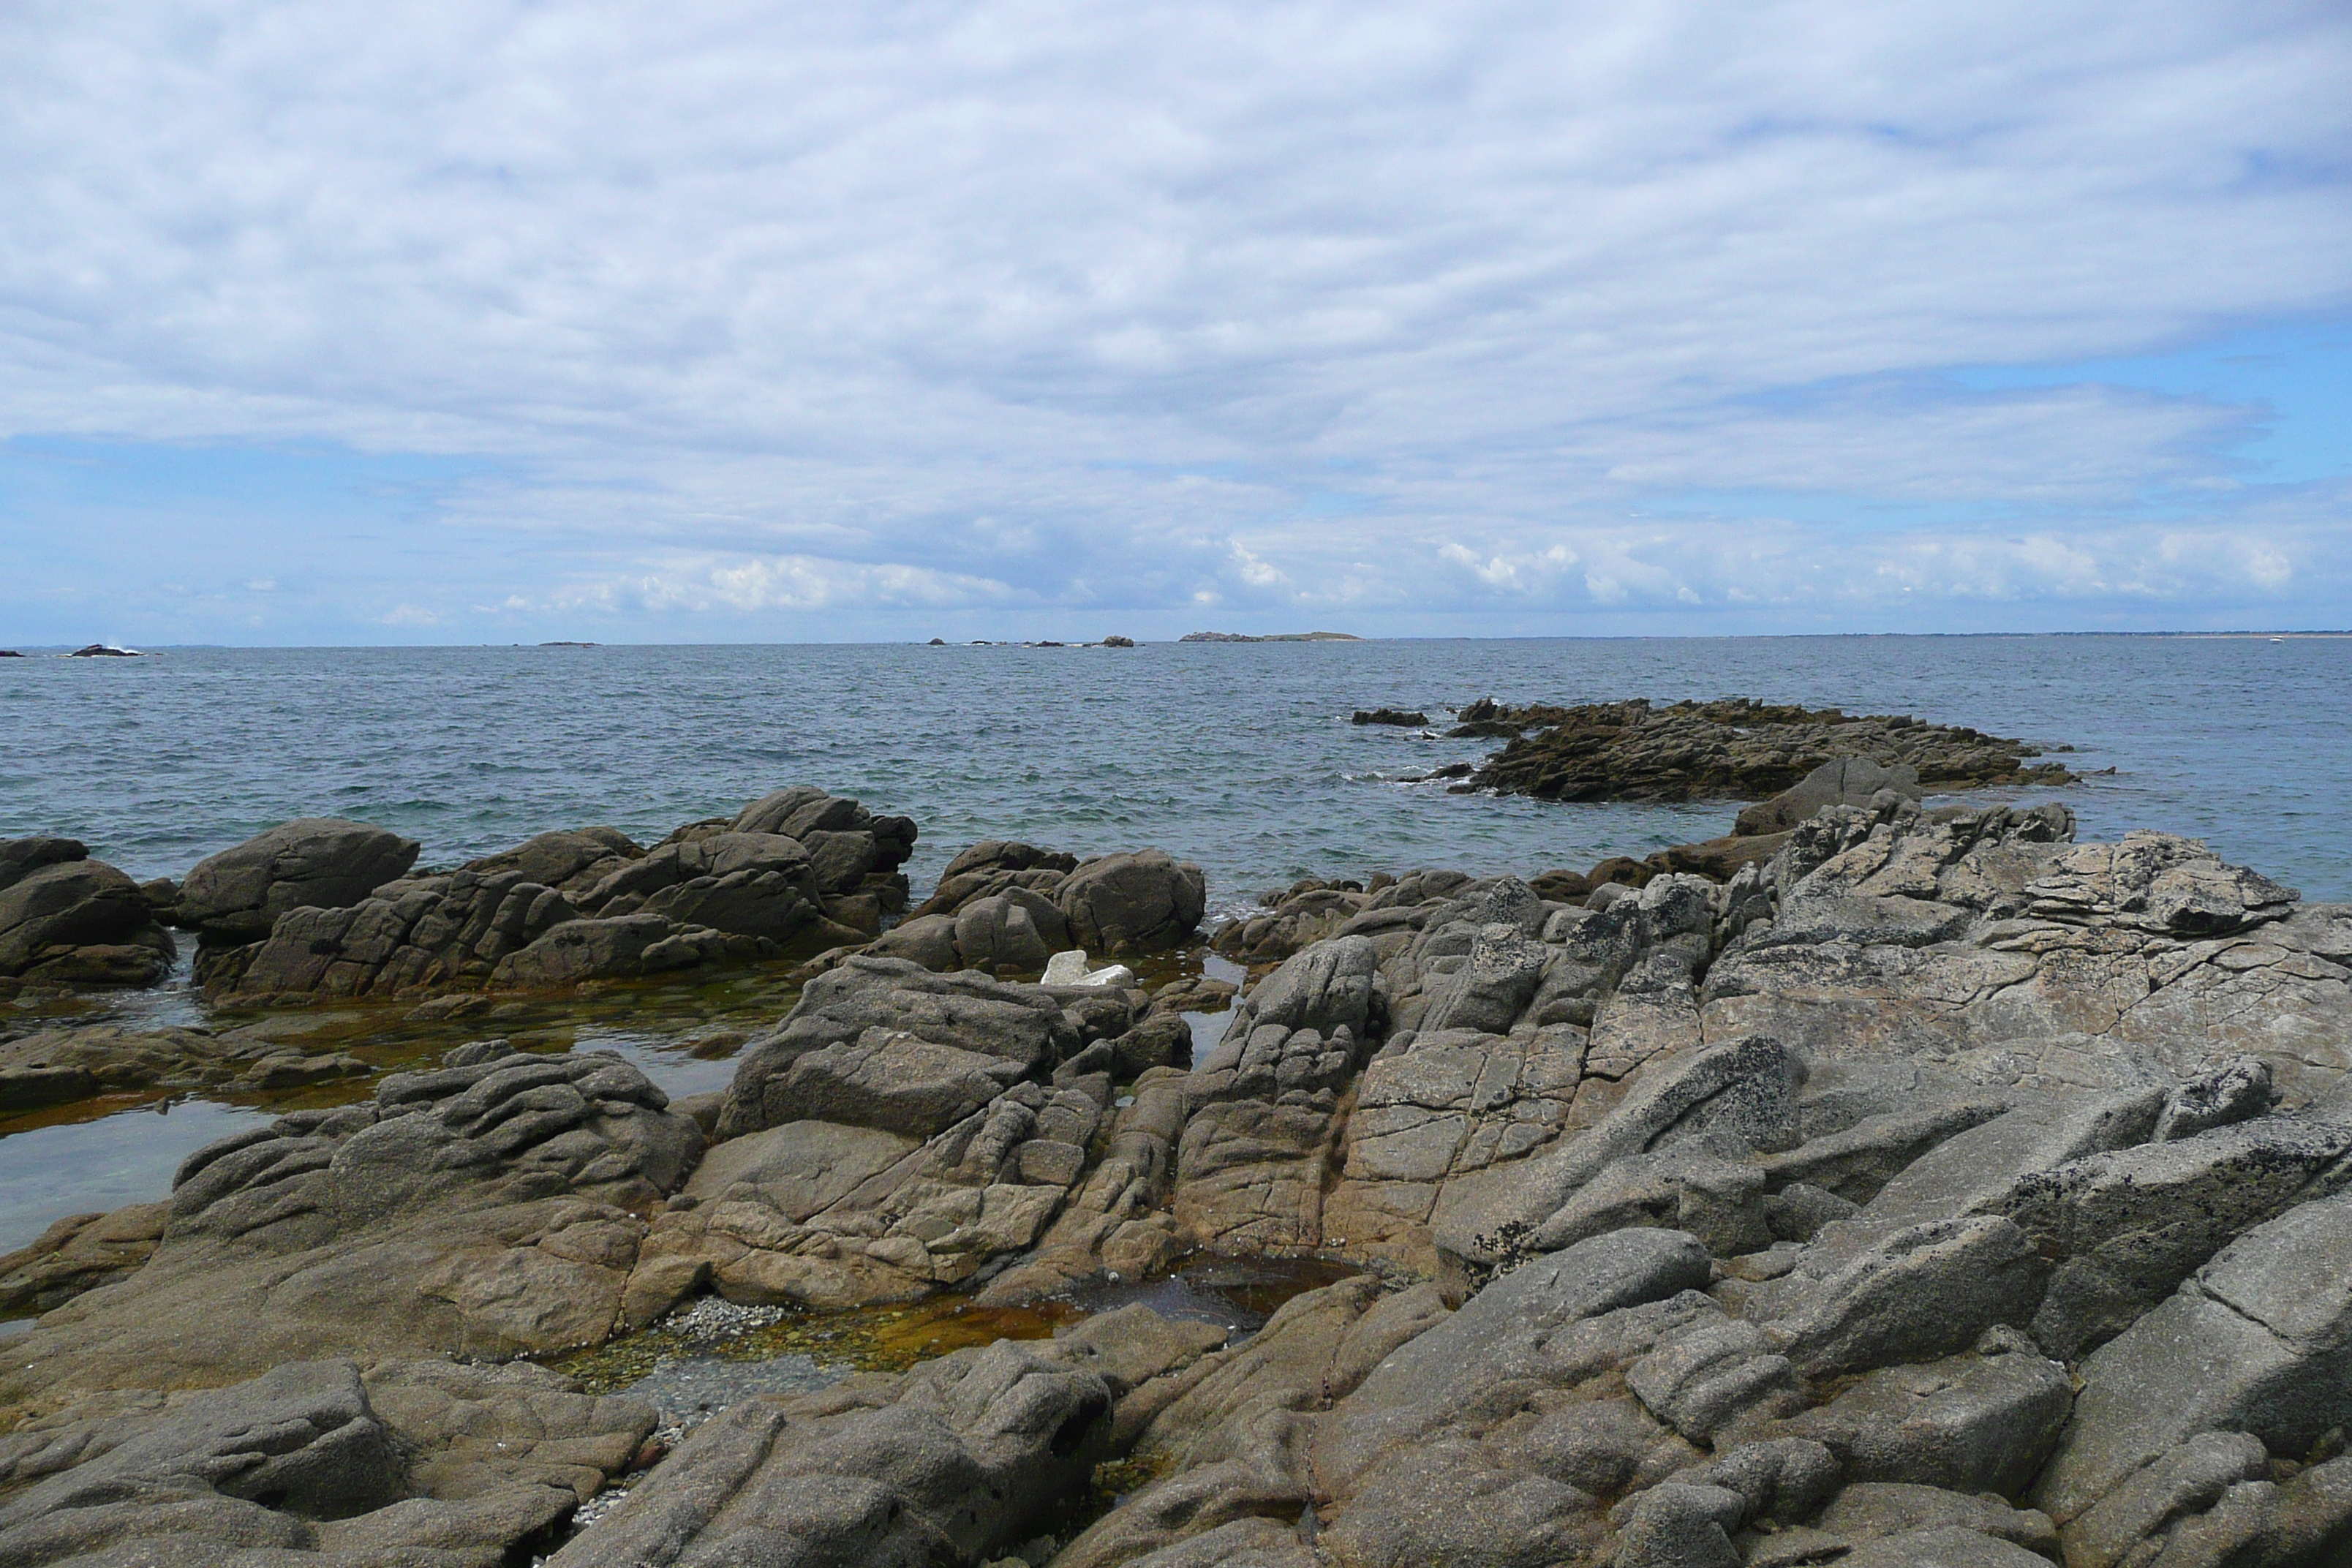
<point x="800" y="321"/>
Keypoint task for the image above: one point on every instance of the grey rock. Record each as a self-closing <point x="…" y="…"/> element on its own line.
<point x="1746" y="1090"/>
<point x="301" y="1436"/>
<point x="66" y="920"/>
<point x="1709" y="1375"/>
<point x="816" y="1215"/>
<point x="926" y="939"/>
<point x="569" y="859"/>
<point x="958" y="1458"/>
<point x="2260" y="1524"/>
<point x="488" y="1208"/>
<point x="891" y="1081"/>
<point x="1842" y="781"/>
<point x="19" y="857"/>
<point x="1783" y="1480"/>
<point x="1872" y="1510"/>
<point x="57" y="1066"/>
<point x="2124" y="1227"/>
<point x="1605" y="1446"/>
<point x="839" y="861"/>
<point x="964" y="1012"/>
<point x="1505" y="1320"/>
<point x="2258" y="1342"/>
<point x="1925" y="1292"/>
<point x="1248" y="1543"/>
<point x="1016" y="929"/>
<point x="2234" y="1090"/>
<point x="798" y="1169"/>
<point x="1962" y="1175"/>
<point x="1855" y="1162"/>
<point x="1679" y="1526"/>
<point x="1256" y="1150"/>
<point x="312" y="862"/>
<point x="1445" y="1502"/>
<point x="1950" y="1546"/>
<point x="1490" y="993"/>
<point x="2189" y="1479"/>
<point x="1131" y="903"/>
<point x="1799" y="1211"/>
<point x="1983" y="1420"/>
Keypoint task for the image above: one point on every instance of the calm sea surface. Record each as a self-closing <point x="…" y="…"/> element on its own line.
<point x="1238" y="756"/>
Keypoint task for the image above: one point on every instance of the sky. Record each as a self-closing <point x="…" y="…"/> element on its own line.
<point x="504" y="321"/>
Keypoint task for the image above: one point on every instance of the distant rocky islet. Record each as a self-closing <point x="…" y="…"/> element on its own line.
<point x="1889" y="1182"/>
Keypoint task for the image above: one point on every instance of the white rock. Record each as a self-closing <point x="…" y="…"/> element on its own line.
<point x="1066" y="968"/>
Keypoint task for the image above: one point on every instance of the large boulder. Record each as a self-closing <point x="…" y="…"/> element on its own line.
<point x="312" y="862"/>
<point x="825" y="1213"/>
<point x="1982" y="1421"/>
<point x="754" y="884"/>
<point x="569" y="859"/>
<point x="463" y="930"/>
<point x="965" y="1013"/>
<point x="1842" y="781"/>
<point x="995" y="866"/>
<point x="1133" y="903"/>
<point x="68" y="920"/>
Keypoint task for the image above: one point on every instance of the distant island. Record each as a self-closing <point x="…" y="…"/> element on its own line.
<point x="1274" y="636"/>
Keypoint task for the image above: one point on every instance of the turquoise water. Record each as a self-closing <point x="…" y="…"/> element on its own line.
<point x="1239" y="756"/>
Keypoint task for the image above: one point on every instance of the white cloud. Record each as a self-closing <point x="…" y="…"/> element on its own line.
<point x="762" y="310"/>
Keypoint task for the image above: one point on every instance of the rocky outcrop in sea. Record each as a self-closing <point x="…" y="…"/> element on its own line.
<point x="1933" y="1188"/>
<point x="1735" y="748"/>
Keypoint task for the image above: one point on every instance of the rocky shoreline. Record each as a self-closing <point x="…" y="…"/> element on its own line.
<point x="1896" y="1184"/>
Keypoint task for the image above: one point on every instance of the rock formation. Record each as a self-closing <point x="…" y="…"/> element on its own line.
<point x="69" y="920"/>
<point x="60" y="1066"/>
<point x="1007" y="908"/>
<point x="488" y="1208"/>
<point x="1735" y="748"/>
<point x="1935" y="1189"/>
<point x="794" y="868"/>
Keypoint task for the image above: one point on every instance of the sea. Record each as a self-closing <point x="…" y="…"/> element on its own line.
<point x="1239" y="756"/>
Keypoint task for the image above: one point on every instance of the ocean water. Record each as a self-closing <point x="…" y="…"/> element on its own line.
<point x="1238" y="756"/>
